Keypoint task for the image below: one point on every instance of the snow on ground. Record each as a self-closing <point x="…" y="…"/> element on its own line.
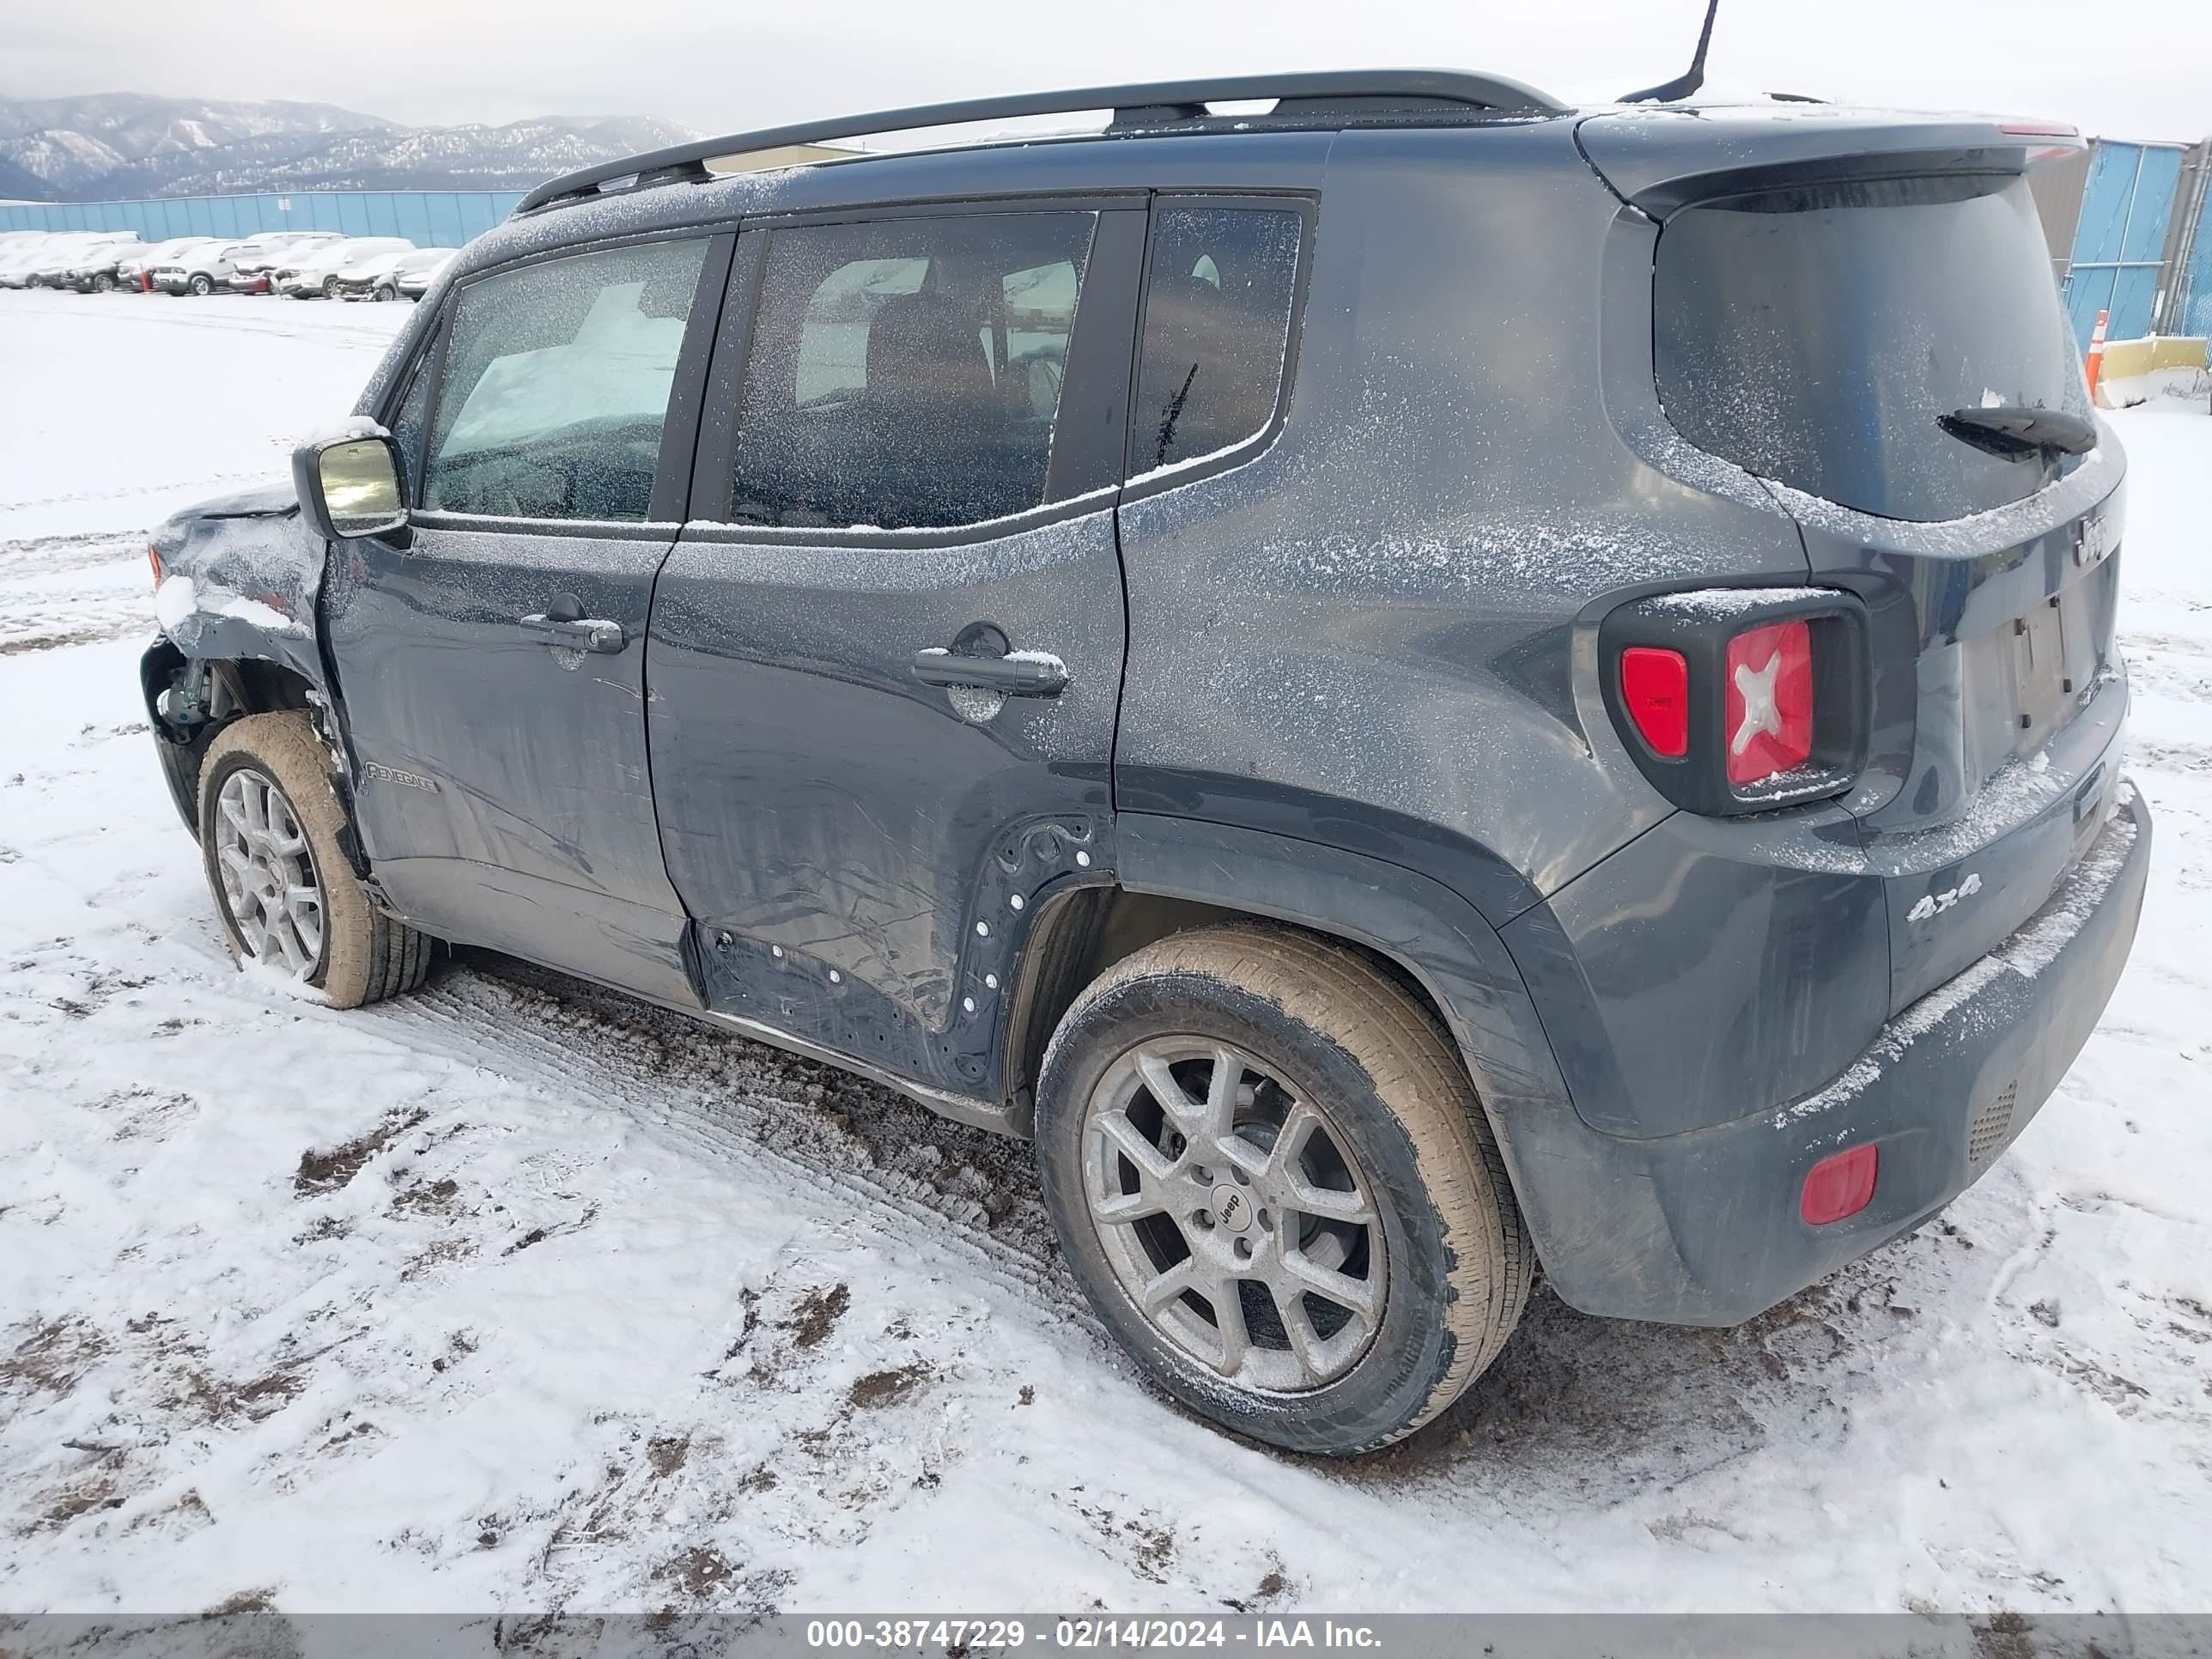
<point x="511" y="1294"/>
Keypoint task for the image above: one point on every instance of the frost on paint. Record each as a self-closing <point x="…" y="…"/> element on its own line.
<point x="2029" y="951"/>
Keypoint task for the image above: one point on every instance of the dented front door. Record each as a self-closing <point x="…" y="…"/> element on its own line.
<point x="491" y="656"/>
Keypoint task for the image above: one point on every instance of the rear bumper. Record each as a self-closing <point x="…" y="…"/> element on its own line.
<point x="1702" y="1227"/>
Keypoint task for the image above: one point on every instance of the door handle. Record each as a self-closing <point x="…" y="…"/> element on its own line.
<point x="1025" y="674"/>
<point x="577" y="632"/>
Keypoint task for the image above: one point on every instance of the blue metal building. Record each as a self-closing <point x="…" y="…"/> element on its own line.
<point x="2120" y="242"/>
<point x="429" y="218"/>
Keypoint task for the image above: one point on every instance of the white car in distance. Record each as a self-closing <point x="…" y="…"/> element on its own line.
<point x="388" y="275"/>
<point x="318" y="273"/>
<point x="251" y="273"/>
<point x="201" y="270"/>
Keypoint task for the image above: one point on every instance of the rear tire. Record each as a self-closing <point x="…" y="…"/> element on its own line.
<point x="270" y="826"/>
<point x="1357" y="1168"/>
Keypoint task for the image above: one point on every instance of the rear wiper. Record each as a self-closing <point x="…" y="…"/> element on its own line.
<point x="2013" y="430"/>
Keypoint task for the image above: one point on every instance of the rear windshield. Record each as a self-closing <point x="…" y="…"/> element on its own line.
<point x="1815" y="336"/>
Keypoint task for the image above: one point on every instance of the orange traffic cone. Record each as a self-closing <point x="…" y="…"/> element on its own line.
<point x="2095" y="365"/>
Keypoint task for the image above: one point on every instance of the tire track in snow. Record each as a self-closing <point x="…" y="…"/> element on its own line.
<point x="724" y="1093"/>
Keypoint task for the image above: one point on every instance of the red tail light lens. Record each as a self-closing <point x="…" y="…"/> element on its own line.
<point x="1841" y="1186"/>
<point x="1768" y="695"/>
<point x="1654" y="689"/>
<point x="154" y="558"/>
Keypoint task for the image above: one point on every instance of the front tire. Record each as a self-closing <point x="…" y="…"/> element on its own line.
<point x="1274" y="1183"/>
<point x="201" y="286"/>
<point x="330" y="288"/>
<point x="103" y="283"/>
<point x="384" y="291"/>
<point x="288" y="900"/>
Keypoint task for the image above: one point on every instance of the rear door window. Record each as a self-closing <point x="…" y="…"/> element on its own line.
<point x="556" y="384"/>
<point x="1815" y="336"/>
<point x="905" y="373"/>
<point x="1218" y="301"/>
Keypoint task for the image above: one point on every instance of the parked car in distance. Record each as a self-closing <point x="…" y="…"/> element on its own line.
<point x="413" y="276"/>
<point x="201" y="270"/>
<point x="19" y="254"/>
<point x="98" y="269"/>
<point x="369" y="275"/>
<point x="250" y="272"/>
<point x="1195" y="645"/>
<point x="315" y="275"/>
<point x="93" y="252"/>
<point x="135" y="269"/>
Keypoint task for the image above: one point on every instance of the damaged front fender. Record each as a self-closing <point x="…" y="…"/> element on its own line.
<point x="240" y="579"/>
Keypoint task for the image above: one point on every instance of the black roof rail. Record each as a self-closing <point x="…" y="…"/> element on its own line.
<point x="1342" y="94"/>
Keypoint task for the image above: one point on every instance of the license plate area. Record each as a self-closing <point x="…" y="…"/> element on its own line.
<point x="2044" y="674"/>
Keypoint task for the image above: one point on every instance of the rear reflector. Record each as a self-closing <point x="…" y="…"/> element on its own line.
<point x="1654" y="689"/>
<point x="1840" y="1186"/>
<point x="1769" y="701"/>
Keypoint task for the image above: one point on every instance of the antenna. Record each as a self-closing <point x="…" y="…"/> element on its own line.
<point x="1690" y="79"/>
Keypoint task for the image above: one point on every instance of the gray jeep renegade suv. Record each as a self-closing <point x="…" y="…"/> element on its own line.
<point x="1415" y="684"/>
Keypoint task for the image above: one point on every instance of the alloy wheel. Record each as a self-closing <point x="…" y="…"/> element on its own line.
<point x="1234" y="1215"/>
<point x="267" y="875"/>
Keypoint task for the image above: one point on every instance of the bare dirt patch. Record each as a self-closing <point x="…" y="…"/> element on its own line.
<point x="327" y="1171"/>
<point x="699" y="1571"/>
<point x="880" y="1388"/>
<point x="54" y="1358"/>
<point x="816" y="1315"/>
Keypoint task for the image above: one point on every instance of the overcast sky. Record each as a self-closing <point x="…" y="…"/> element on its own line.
<point x="2127" y="68"/>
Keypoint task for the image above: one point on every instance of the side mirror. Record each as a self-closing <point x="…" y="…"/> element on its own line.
<point x="349" y="487"/>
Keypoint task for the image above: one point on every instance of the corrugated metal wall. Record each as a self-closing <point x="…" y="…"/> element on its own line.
<point x="2189" y="301"/>
<point x="2121" y="239"/>
<point x="429" y="218"/>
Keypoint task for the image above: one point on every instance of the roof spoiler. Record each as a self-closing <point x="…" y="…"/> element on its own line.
<point x="1342" y="96"/>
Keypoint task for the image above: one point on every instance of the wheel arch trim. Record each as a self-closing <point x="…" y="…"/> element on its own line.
<point x="1418" y="923"/>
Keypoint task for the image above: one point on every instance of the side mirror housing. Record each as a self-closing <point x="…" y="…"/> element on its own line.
<point x="349" y="487"/>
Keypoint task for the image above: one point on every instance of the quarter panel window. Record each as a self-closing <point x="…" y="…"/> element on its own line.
<point x="905" y="373"/>
<point x="556" y="384"/>
<point x="1217" y="303"/>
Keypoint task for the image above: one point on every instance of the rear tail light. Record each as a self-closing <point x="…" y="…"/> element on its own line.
<point x="154" y="558"/>
<point x="1839" y="1187"/>
<point x="1740" y="700"/>
<point x="1655" y="685"/>
<point x="1769" y="701"/>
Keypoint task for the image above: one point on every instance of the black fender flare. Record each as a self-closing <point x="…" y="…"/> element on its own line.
<point x="1431" y="932"/>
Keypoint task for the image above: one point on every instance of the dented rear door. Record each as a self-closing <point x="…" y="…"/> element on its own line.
<point x="886" y="651"/>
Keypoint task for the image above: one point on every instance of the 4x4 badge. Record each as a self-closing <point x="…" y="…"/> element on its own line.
<point x="2089" y="543"/>
<point x="1936" y="903"/>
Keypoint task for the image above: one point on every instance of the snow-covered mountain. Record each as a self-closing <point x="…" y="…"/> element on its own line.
<point x="119" y="146"/>
<point x="74" y="143"/>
